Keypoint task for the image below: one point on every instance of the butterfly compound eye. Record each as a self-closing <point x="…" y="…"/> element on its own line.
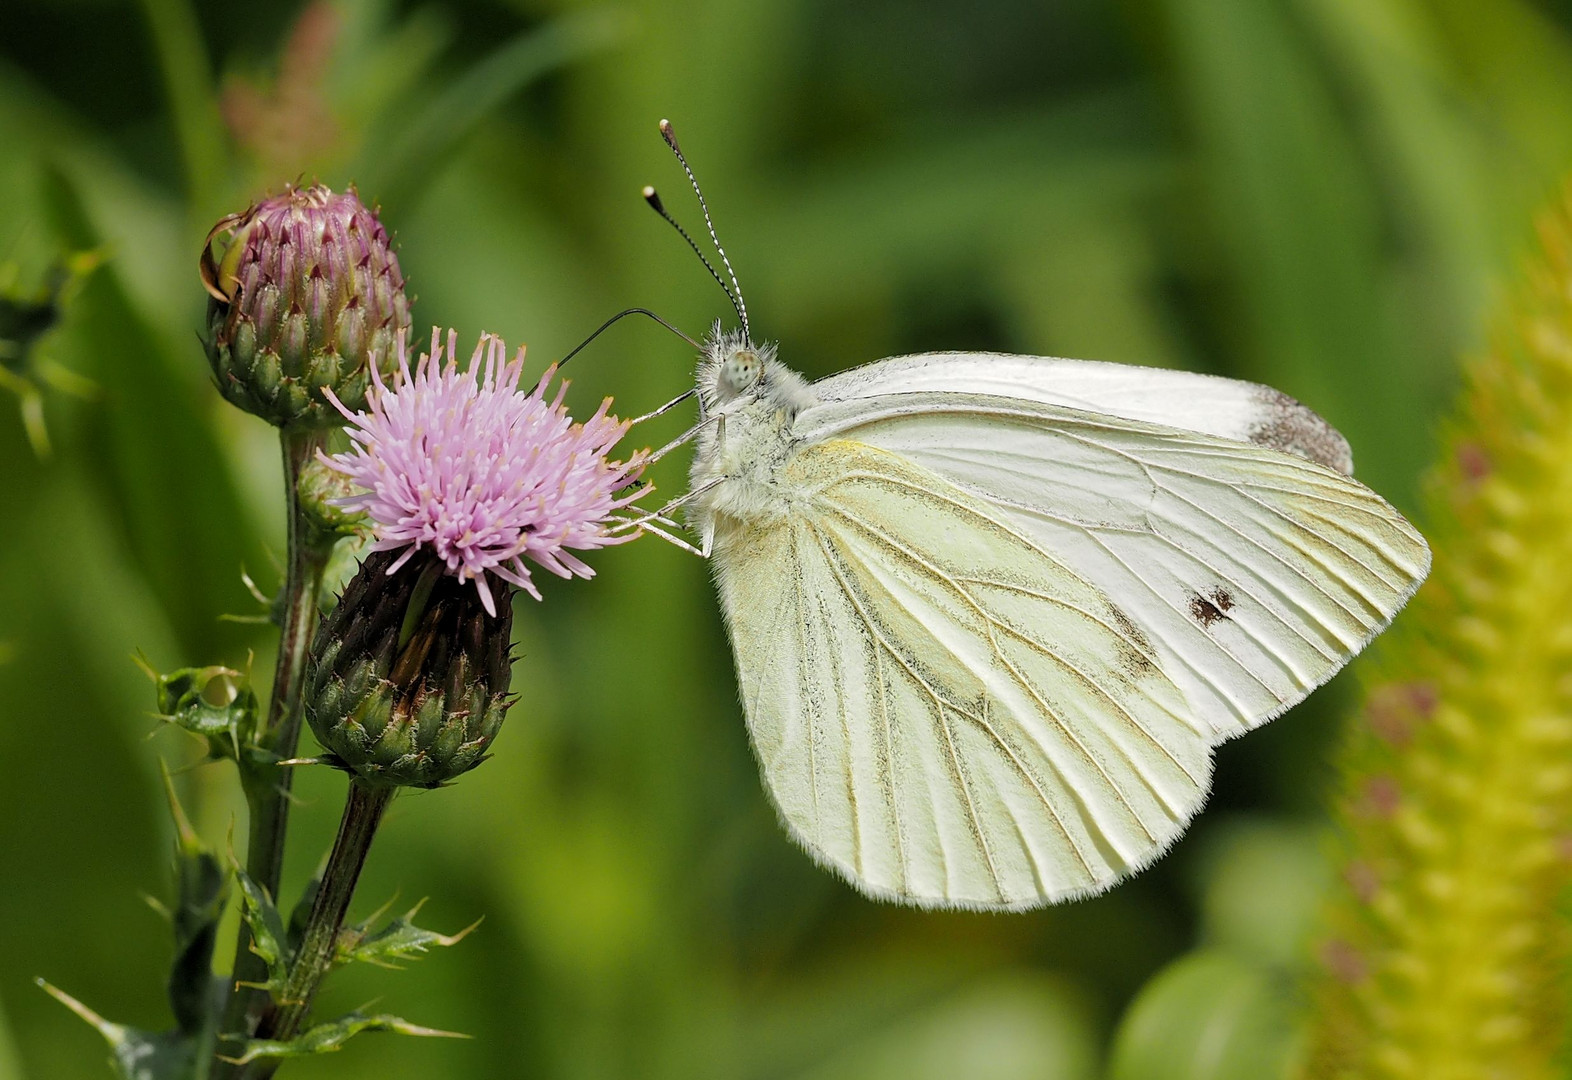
<point x="739" y="371"/>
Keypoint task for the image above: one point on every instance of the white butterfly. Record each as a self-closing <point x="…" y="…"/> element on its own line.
<point x="991" y="613"/>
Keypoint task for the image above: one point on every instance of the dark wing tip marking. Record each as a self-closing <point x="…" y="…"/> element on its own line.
<point x="1284" y="424"/>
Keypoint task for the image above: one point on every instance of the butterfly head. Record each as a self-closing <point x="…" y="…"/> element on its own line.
<point x="739" y="372"/>
<point x="734" y="371"/>
<point x="732" y="366"/>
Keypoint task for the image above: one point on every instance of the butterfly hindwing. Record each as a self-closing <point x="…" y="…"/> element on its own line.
<point x="944" y="711"/>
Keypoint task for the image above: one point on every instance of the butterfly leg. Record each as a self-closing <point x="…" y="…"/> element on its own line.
<point x="672" y="404"/>
<point x="677" y="541"/>
<point x="660" y="516"/>
<point x="622" y="521"/>
<point x="686" y="437"/>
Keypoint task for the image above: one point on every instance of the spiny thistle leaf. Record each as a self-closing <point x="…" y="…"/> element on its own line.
<point x="331" y="1036"/>
<point x="268" y="937"/>
<point x="195" y="995"/>
<point x="400" y="939"/>
<point x="1447" y="952"/>
<point x="137" y="1054"/>
<point x="201" y="893"/>
<point x="214" y="703"/>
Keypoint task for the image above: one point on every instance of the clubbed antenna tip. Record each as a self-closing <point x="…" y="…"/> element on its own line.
<point x="734" y="291"/>
<point x="652" y="197"/>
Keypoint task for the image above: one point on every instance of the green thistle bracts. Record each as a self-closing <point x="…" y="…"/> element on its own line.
<point x="1448" y="952"/>
<point x="408" y="678"/>
<point x="320" y="492"/>
<point x="305" y="294"/>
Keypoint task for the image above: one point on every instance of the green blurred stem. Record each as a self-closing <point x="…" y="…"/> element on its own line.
<point x="266" y="784"/>
<point x="314" y="959"/>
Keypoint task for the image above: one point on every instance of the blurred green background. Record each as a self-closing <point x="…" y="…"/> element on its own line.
<point x="1319" y="194"/>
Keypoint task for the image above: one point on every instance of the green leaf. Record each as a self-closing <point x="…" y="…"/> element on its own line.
<point x="300" y="914"/>
<point x="400" y="939"/>
<point x="216" y="703"/>
<point x="201" y="893"/>
<point x="137" y="1054"/>
<point x="1207" y="1016"/>
<point x="193" y="102"/>
<point x="331" y="1036"/>
<point x="268" y="937"/>
<point x="395" y="169"/>
<point x="1008" y="1025"/>
<point x="10" y="1060"/>
<point x="27" y="314"/>
<point x="343" y="563"/>
<point x="1262" y="883"/>
<point x="1296" y="219"/>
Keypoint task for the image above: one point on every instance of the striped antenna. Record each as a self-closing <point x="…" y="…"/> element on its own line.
<point x="652" y="197"/>
<point x="735" y="292"/>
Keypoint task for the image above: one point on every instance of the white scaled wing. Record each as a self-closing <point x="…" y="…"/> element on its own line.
<point x="1228" y="408"/>
<point x="1252" y="574"/>
<point x="945" y="710"/>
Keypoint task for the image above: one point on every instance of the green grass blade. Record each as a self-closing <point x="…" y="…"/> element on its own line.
<point x="188" y="81"/>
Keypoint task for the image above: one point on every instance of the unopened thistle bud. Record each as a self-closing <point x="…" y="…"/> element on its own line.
<point x="306" y="295"/>
<point x="321" y="492"/>
<point x="462" y="476"/>
<point x="409" y="676"/>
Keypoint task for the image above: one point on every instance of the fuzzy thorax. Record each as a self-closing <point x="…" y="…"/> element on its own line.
<point x="751" y="400"/>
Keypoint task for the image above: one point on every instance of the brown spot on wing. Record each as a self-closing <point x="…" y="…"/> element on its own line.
<point x="1212" y="608"/>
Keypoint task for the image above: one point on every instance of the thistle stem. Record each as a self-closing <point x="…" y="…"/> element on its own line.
<point x="267" y="785"/>
<point x="314" y="959"/>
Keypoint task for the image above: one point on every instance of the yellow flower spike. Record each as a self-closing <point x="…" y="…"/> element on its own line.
<point x="1445" y="952"/>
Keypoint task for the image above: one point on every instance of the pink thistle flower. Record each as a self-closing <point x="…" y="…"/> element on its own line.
<point x="483" y="474"/>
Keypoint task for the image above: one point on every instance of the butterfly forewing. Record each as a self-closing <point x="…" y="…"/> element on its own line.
<point x="1253" y="574"/>
<point x="1230" y="409"/>
<point x="945" y="710"/>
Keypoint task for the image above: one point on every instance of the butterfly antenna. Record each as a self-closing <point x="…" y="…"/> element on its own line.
<point x="653" y="198"/>
<point x="670" y="136"/>
<point x="622" y="315"/>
